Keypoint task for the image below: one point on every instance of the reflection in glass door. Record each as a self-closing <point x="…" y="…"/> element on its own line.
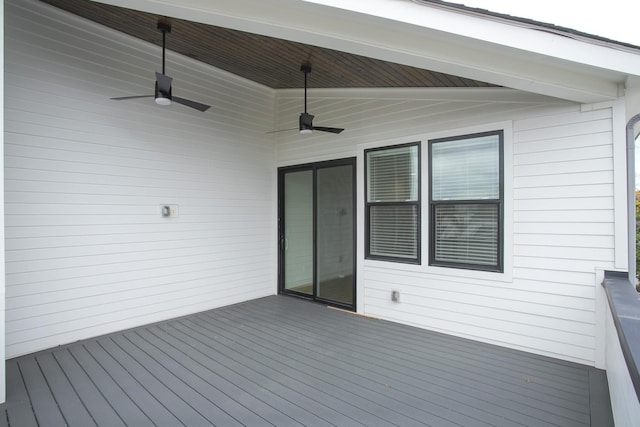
<point x="317" y="231"/>
<point x="297" y="241"/>
<point x="335" y="228"/>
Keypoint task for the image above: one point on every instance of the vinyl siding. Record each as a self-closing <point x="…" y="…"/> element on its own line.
<point x="559" y="200"/>
<point x="374" y="115"/>
<point x="87" y="249"/>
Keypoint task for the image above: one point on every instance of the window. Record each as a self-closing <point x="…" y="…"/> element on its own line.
<point x="466" y="201"/>
<point x="393" y="203"/>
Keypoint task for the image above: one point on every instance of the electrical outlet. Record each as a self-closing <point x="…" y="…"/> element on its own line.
<point x="395" y="296"/>
<point x="169" y="211"/>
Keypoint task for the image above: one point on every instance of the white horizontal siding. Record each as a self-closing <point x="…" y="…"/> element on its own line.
<point x="561" y="212"/>
<point x="87" y="250"/>
<point x="571" y="203"/>
<point x="563" y="200"/>
<point x="389" y="114"/>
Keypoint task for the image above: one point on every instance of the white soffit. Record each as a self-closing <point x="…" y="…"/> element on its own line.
<point x="424" y="36"/>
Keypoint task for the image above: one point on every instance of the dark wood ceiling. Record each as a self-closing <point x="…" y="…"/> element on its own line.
<point x="266" y="60"/>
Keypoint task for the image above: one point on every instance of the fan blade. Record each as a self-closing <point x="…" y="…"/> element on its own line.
<point x="132" y="97"/>
<point x="325" y="129"/>
<point x="189" y="103"/>
<point x="282" y="130"/>
<point x="164" y="83"/>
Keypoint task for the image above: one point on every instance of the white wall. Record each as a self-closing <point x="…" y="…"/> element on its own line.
<point x="559" y="209"/>
<point x="86" y="248"/>
<point x="624" y="400"/>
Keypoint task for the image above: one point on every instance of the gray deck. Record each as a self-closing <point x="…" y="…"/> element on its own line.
<point x="284" y="362"/>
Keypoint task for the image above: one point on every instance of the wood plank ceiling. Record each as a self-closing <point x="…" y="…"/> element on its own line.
<point x="266" y="60"/>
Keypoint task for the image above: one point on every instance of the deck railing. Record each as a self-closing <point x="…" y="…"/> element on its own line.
<point x="623" y="348"/>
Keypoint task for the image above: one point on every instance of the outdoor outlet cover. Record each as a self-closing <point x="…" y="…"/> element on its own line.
<point x="167" y="211"/>
<point x="395" y="296"/>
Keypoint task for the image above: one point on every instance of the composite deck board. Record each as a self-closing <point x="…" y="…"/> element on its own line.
<point x="86" y="388"/>
<point x="126" y="411"/>
<point x="71" y="406"/>
<point x="458" y="358"/>
<point x="600" y="404"/>
<point x="233" y="385"/>
<point x="178" y="405"/>
<point x="358" y="396"/>
<point x="350" y="376"/>
<point x="381" y="366"/>
<point x="295" y="390"/>
<point x="168" y="372"/>
<point x="21" y="413"/>
<point x="143" y="408"/>
<point x="448" y="377"/>
<point x="294" y="404"/>
<point x="462" y="360"/>
<point x="490" y="356"/>
<point x="287" y="362"/>
<point x="227" y="395"/>
<point x="248" y="372"/>
<point x="195" y="380"/>
<point x="44" y="403"/>
<point x="269" y="394"/>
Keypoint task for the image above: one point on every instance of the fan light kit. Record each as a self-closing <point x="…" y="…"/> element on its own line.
<point x="161" y="100"/>
<point x="305" y="124"/>
<point x="162" y="94"/>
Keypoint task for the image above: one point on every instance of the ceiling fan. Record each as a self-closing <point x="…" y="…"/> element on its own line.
<point x="306" y="120"/>
<point x="163" y="94"/>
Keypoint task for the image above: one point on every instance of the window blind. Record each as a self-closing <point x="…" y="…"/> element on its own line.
<point x="466" y="234"/>
<point x="466" y="169"/>
<point x="392" y="175"/>
<point x="466" y="201"/>
<point x="393" y="231"/>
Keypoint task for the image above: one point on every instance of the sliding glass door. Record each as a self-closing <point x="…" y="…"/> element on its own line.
<point x="297" y="238"/>
<point x="317" y="231"/>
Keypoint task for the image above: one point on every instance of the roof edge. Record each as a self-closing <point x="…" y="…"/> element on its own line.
<point x="533" y="24"/>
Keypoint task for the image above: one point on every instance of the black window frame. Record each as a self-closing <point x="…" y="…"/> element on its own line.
<point x="417" y="204"/>
<point x="499" y="267"/>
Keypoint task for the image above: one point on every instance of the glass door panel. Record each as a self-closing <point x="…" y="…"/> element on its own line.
<point x="335" y="231"/>
<point x="317" y="231"/>
<point x="297" y="240"/>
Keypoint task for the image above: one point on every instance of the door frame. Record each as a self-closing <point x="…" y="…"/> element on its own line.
<point x="314" y="167"/>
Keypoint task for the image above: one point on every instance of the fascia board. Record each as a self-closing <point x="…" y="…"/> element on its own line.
<point x="498" y="31"/>
<point x="398" y="41"/>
